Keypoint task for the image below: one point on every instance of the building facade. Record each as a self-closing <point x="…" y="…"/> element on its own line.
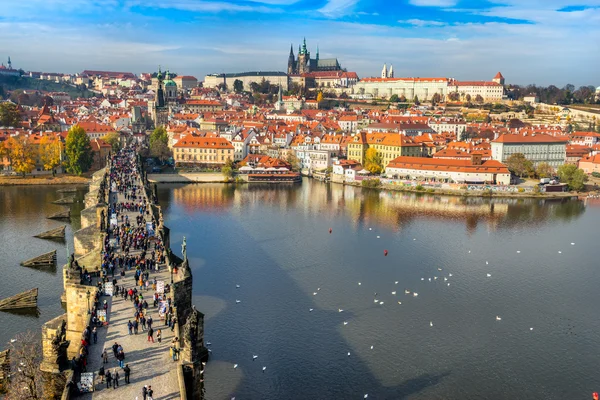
<point x="275" y="78"/>
<point x="303" y="64"/>
<point x="214" y="151"/>
<point x="537" y="148"/>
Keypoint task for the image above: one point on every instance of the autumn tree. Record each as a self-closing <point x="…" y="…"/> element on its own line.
<point x="50" y="152"/>
<point x="113" y="139"/>
<point x="435" y="99"/>
<point x="78" y="151"/>
<point x="159" y="143"/>
<point x="544" y="170"/>
<point x="9" y="114"/>
<point x="319" y="97"/>
<point x="21" y="154"/>
<point x="227" y="170"/>
<point x="574" y="177"/>
<point x="478" y="99"/>
<point x="468" y="98"/>
<point x="453" y="96"/>
<point x="518" y="164"/>
<point x="373" y="161"/>
<point x="26" y="381"/>
<point x="416" y="100"/>
<point x="294" y="162"/>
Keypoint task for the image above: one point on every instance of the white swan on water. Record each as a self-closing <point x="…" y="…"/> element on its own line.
<point x="498" y="318"/>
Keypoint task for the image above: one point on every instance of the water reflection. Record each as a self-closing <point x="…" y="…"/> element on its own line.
<point x="394" y="210"/>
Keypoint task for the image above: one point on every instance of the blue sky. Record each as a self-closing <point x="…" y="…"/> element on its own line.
<point x="529" y="41"/>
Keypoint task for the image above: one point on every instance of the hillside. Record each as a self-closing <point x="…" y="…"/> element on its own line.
<point x="10" y="83"/>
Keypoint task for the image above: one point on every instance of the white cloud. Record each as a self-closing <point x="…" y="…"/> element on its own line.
<point x="205" y="6"/>
<point x="422" y="23"/>
<point x="338" y="8"/>
<point x="433" y="3"/>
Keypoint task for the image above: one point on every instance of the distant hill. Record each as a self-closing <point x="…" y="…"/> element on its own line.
<point x="10" y="83"/>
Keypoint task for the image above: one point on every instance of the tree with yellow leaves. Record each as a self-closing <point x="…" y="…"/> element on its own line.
<point x="21" y="153"/>
<point x="373" y="161"/>
<point x="50" y="152"/>
<point x="319" y="97"/>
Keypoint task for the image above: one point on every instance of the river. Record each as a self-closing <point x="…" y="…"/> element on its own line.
<point x="445" y="343"/>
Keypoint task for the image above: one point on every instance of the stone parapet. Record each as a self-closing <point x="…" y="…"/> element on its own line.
<point x="50" y="330"/>
<point x="87" y="240"/>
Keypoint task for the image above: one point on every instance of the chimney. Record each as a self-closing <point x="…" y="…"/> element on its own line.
<point x="476" y="159"/>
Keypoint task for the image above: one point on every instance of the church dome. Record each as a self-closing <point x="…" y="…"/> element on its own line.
<point x="598" y="89"/>
<point x="170" y="82"/>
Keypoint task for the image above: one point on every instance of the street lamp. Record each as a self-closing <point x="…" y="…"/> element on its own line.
<point x="88" y="300"/>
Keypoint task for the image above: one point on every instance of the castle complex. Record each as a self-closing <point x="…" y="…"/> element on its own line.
<point x="304" y="64"/>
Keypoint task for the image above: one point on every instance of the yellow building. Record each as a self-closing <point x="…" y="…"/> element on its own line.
<point x="202" y="150"/>
<point x="388" y="145"/>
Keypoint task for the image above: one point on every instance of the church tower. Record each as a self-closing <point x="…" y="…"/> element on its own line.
<point x="303" y="59"/>
<point x="161" y="112"/>
<point x="384" y="72"/>
<point x="9" y="63"/>
<point x="291" y="61"/>
<point x="391" y="72"/>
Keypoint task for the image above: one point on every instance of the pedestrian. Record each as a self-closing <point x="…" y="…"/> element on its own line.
<point x="115" y="378"/>
<point x="104" y="357"/>
<point x="115" y="348"/>
<point x="149" y="321"/>
<point x="135" y="327"/>
<point x="144" y="392"/>
<point x="173" y="322"/>
<point x="127" y="371"/>
<point x="130" y="327"/>
<point x="101" y="374"/>
<point x="108" y="379"/>
<point x="151" y="335"/>
<point x="150" y="393"/>
<point x="158" y="335"/>
<point x="121" y="358"/>
<point x="95" y="335"/>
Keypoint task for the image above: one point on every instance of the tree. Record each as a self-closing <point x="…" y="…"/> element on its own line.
<point x="227" y="170"/>
<point x="294" y="162"/>
<point x="468" y="98"/>
<point x="402" y="99"/>
<point x="319" y="97"/>
<point x="416" y="100"/>
<point x="373" y="161"/>
<point x="78" y="150"/>
<point x="26" y="381"/>
<point x="574" y="177"/>
<point x="394" y="98"/>
<point x="453" y="96"/>
<point x="478" y="99"/>
<point x="435" y="99"/>
<point x="518" y="164"/>
<point x="21" y="154"/>
<point x="159" y="143"/>
<point x="113" y="139"/>
<point x="238" y="86"/>
<point x="222" y="87"/>
<point x="9" y="114"/>
<point x="544" y="170"/>
<point x="50" y="152"/>
<point x="254" y="87"/>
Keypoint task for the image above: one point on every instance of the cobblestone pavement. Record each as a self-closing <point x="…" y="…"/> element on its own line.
<point x="150" y="363"/>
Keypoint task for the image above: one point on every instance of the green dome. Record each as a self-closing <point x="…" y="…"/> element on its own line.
<point x="170" y="82"/>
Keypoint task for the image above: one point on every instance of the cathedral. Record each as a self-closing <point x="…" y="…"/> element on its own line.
<point x="304" y="64"/>
<point x="164" y="99"/>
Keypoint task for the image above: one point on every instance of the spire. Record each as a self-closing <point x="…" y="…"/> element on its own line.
<point x="317" y="52"/>
<point x="292" y="50"/>
<point x="304" y="51"/>
<point x="384" y="71"/>
<point x="391" y="72"/>
<point x="9" y="63"/>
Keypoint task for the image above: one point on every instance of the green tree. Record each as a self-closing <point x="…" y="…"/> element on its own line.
<point x="544" y="170"/>
<point x="518" y="164"/>
<point x="394" y="98"/>
<point x="468" y="98"/>
<point x="453" y="96"/>
<point x="435" y="99"/>
<point x="373" y="161"/>
<point x="238" y="86"/>
<point x="574" y="177"/>
<point x="112" y="138"/>
<point x="254" y="87"/>
<point x="159" y="143"/>
<point x="416" y="100"/>
<point x="9" y="114"/>
<point x="478" y="99"/>
<point x="78" y="150"/>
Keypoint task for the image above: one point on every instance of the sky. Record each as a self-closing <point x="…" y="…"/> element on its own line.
<point x="539" y="42"/>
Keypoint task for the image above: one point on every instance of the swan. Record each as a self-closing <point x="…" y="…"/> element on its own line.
<point x="498" y="318"/>
<point x="430" y="323"/>
<point x="310" y="309"/>
<point x="489" y="275"/>
<point x="254" y="357"/>
<point x="394" y="293"/>
<point x="234" y="366"/>
<point x="415" y="294"/>
<point x="345" y="322"/>
<point x="238" y="301"/>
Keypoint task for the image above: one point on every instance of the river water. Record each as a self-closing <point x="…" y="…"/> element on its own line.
<point x="445" y="343"/>
<point x="23" y="212"/>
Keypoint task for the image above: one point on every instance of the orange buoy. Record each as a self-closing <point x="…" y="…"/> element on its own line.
<point x="385" y="252"/>
<point x="329" y="230"/>
<point x="595" y="395"/>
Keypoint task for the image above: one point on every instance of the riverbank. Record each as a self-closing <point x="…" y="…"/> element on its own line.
<point x="189" y="177"/>
<point x="43" y="180"/>
<point x="466" y="193"/>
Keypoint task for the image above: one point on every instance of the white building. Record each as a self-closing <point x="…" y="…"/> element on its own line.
<point x="423" y="88"/>
<point x="274" y="78"/>
<point x="458" y="126"/>
<point x="489" y="91"/>
<point x="458" y="171"/>
<point x="537" y="148"/>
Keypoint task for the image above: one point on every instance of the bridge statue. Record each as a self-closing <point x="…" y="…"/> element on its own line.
<point x="184" y="249"/>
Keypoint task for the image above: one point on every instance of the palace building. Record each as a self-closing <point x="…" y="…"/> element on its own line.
<point x="303" y="64"/>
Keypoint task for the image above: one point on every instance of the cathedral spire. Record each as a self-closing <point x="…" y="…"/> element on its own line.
<point x="292" y="50"/>
<point x="317" y="53"/>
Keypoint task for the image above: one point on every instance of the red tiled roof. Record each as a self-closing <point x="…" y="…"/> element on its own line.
<point x="450" y="165"/>
<point x="197" y="142"/>
<point x="533" y="138"/>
